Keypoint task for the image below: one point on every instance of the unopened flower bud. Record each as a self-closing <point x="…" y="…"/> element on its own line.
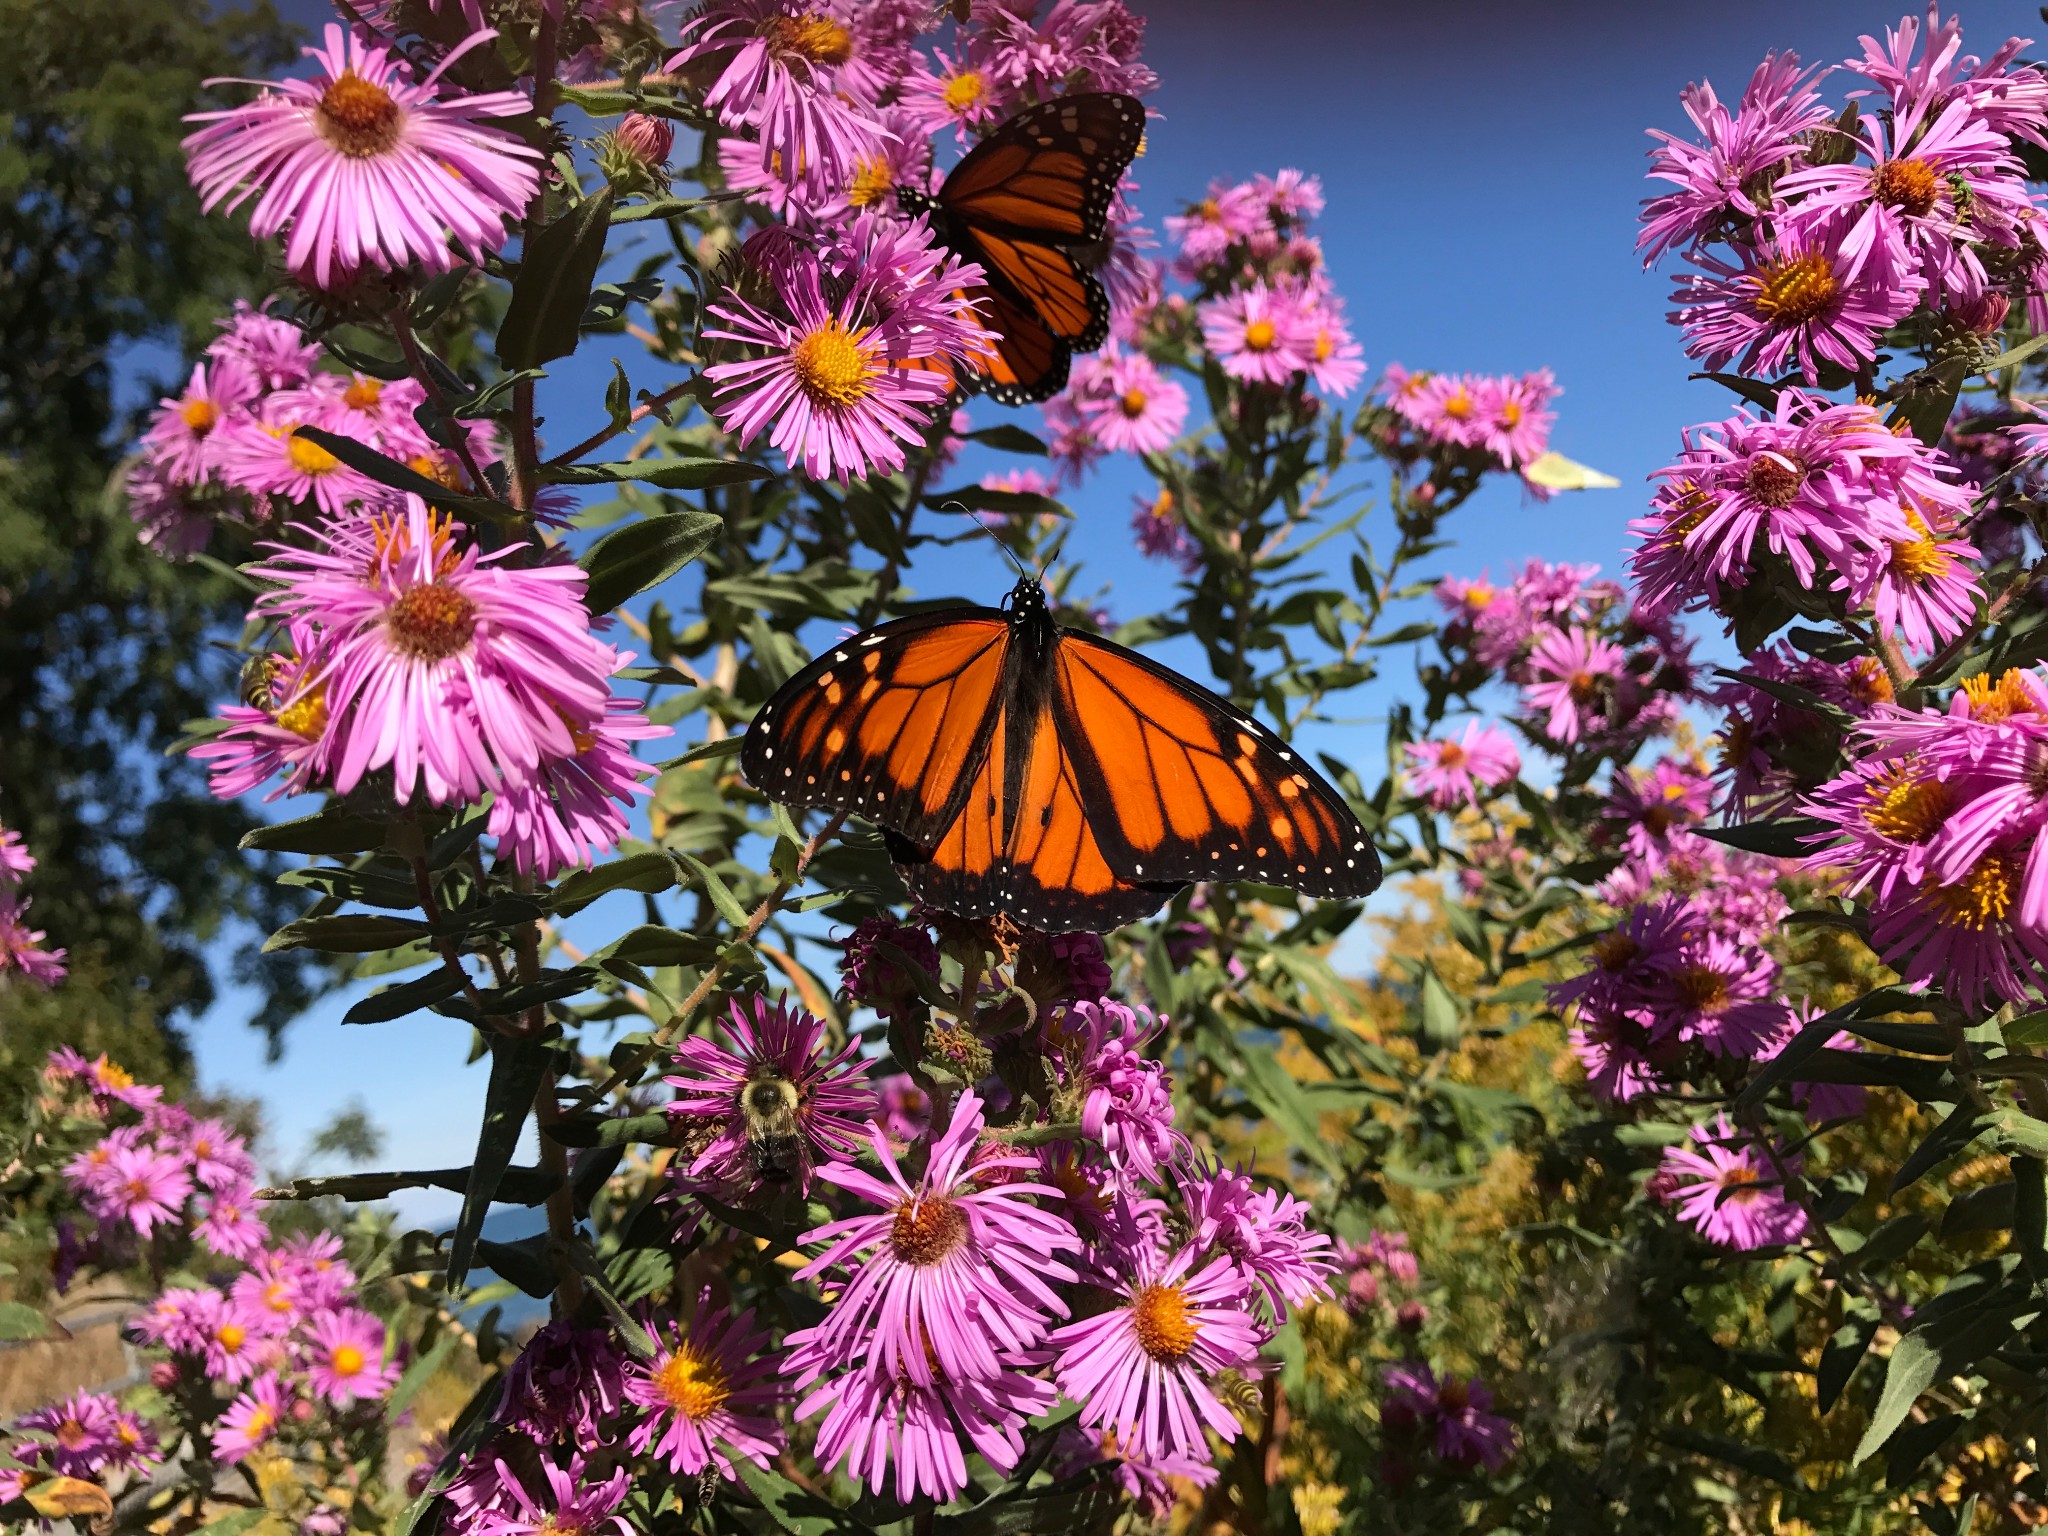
<point x="647" y="139"/>
<point x="1410" y="1316"/>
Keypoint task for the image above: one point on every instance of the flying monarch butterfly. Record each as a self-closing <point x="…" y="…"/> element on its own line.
<point x="1023" y="768"/>
<point x="1029" y="203"/>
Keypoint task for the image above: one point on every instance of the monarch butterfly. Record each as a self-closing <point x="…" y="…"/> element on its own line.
<point x="1027" y="203"/>
<point x="1020" y="767"/>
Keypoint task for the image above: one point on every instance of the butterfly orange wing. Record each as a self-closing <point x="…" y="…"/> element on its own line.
<point x="1180" y="785"/>
<point x="1051" y="171"/>
<point x="893" y="723"/>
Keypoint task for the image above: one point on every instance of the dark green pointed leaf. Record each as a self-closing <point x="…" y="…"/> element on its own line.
<point x="330" y="832"/>
<point x="645" y="872"/>
<point x="1846" y="1349"/>
<point x="671" y="474"/>
<point x="400" y="477"/>
<point x="1781" y="839"/>
<point x="557" y="270"/>
<point x="396" y="1002"/>
<point x="517" y="1066"/>
<point x="1007" y="438"/>
<point x="349" y="933"/>
<point x="629" y="560"/>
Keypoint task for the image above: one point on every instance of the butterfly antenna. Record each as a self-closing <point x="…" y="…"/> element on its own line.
<point x="1008" y="553"/>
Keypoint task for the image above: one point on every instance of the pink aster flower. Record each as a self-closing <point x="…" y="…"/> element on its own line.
<point x="781" y="69"/>
<point x="1962" y="935"/>
<point x="252" y="1420"/>
<point x="573" y="809"/>
<point x="275" y="351"/>
<point x="365" y="165"/>
<point x="174" y="1320"/>
<point x="347" y="1357"/>
<point x="777" y="1061"/>
<point x="1722" y="995"/>
<point x="710" y="1391"/>
<point x="872" y="1421"/>
<point x="220" y="1158"/>
<point x="455" y="670"/>
<point x="1723" y="1187"/>
<point x="825" y="380"/>
<point x="16" y="865"/>
<point x="565" y="1385"/>
<point x="1515" y="419"/>
<point x="572" y="1501"/>
<point x="951" y="1271"/>
<point x="229" y="1225"/>
<point x="1922" y="589"/>
<point x="280" y="736"/>
<point x="1137" y="409"/>
<point x="2010" y="100"/>
<point x="110" y="1083"/>
<point x="1576" y="683"/>
<point x="21" y="947"/>
<point x="1126" y="1105"/>
<point x="1079" y="45"/>
<point x="1796" y="299"/>
<point x="81" y="1430"/>
<point x="1452" y="409"/>
<point x="1143" y="1369"/>
<point x="1263" y="1231"/>
<point x="233" y="1341"/>
<point x="1336" y="362"/>
<point x="267" y="1297"/>
<point x="1257" y="335"/>
<point x="1451" y="773"/>
<point x="263" y="454"/>
<point x="1160" y="532"/>
<point x="1210" y="227"/>
<point x="1646" y="810"/>
<point x="183" y="440"/>
<point x="1457" y="1416"/>
<point x="135" y="1443"/>
<point x="144" y="1188"/>
<point x="1821" y="1101"/>
<point x="1715" y="178"/>
<point x="955" y="92"/>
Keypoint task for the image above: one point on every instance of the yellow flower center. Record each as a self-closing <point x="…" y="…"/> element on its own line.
<point x="1993" y="701"/>
<point x="276" y="1297"/>
<point x="1585" y="688"/>
<point x="1260" y="335"/>
<point x="812" y="36"/>
<point x="199" y="415"/>
<point x="231" y="1337"/>
<point x="1480" y="596"/>
<point x="1459" y="406"/>
<point x="363" y="394"/>
<point x="1450" y="755"/>
<point x="965" y="90"/>
<point x="306" y="718"/>
<point x="358" y="118"/>
<point x="1159" y="1316"/>
<point x="833" y="366"/>
<point x="1134" y="402"/>
<point x="437" y="467"/>
<point x="1704" y="990"/>
<point x="1907" y="185"/>
<point x="926" y="1231"/>
<point x="693" y="1385"/>
<point x="1907" y="807"/>
<point x="1209" y="211"/>
<point x="260" y="1424"/>
<point x="114" y="1076"/>
<point x="870" y="184"/>
<point x="431" y="622"/>
<point x="1983" y="896"/>
<point x="309" y="458"/>
<point x="1920" y="559"/>
<point x="71" y="1434"/>
<point x="1796" y="290"/>
<point x="1868" y="681"/>
<point x="347" y="1360"/>
<point x="1613" y="951"/>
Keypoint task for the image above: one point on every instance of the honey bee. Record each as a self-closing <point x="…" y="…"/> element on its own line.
<point x="259" y="683"/>
<point x="769" y="1102"/>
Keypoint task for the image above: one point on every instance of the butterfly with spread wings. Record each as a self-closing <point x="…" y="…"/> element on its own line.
<point x="1030" y="203"/>
<point x="1020" y="767"/>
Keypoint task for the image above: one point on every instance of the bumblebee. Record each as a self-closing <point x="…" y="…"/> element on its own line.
<point x="769" y="1102"/>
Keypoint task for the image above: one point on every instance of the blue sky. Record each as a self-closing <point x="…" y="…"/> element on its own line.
<point x="1483" y="163"/>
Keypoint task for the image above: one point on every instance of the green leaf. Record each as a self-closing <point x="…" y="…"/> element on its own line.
<point x="979" y="498"/>
<point x="1086" y="1504"/>
<point x="557" y="269"/>
<point x="652" y="946"/>
<point x="1007" y="438"/>
<point x="1947" y="1345"/>
<point x="330" y="832"/>
<point x="234" y="1524"/>
<point x="2013" y="355"/>
<point x="19" y="1320"/>
<point x="629" y="560"/>
<point x="517" y="1066"/>
<point x="2017" y="1133"/>
<point x="420" y="1372"/>
<point x="1846" y="1349"/>
<point x="1781" y="839"/>
<point x="705" y="752"/>
<point x="720" y="893"/>
<point x="400" y="477"/>
<point x="645" y="872"/>
<point x="1942" y="1143"/>
<point x="1441" y="1019"/>
<point x="468" y="1431"/>
<point x="351" y="933"/>
<point x="672" y="474"/>
<point x="1279" y="1098"/>
<point x="2028" y="1029"/>
<point x="792" y="1509"/>
<point x="438" y="985"/>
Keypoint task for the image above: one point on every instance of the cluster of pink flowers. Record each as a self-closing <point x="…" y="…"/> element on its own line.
<point x="1833" y="230"/>
<point x="1450" y="1419"/>
<point x="21" y="947"/>
<point x="1594" y="673"/>
<point x="1455" y="772"/>
<point x="1815" y="498"/>
<point x="1937" y="826"/>
<point x="86" y="1436"/>
<point x="170" y="1171"/>
<point x="1496" y="421"/>
<point x="975" y="1283"/>
<point x="1771" y="744"/>
<point x="437" y="673"/>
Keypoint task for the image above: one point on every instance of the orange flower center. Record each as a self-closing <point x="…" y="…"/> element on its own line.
<point x="347" y="1360"/>
<point x="1796" y="290"/>
<point x="1704" y="990"/>
<point x="363" y="394"/>
<point x="199" y="415"/>
<point x="231" y="1337"/>
<point x="431" y="622"/>
<point x="1159" y="1315"/>
<point x="965" y="90"/>
<point x="812" y="36"/>
<point x="1459" y="406"/>
<point x="1260" y="335"/>
<point x="925" y="1231"/>
<point x="1451" y="755"/>
<point x="1907" y="807"/>
<point x="692" y="1384"/>
<point x="309" y="458"/>
<point x="833" y="366"/>
<point x="1907" y="185"/>
<point x="358" y="118"/>
<point x="1983" y="896"/>
<point x="1774" y="479"/>
<point x="1134" y="402"/>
